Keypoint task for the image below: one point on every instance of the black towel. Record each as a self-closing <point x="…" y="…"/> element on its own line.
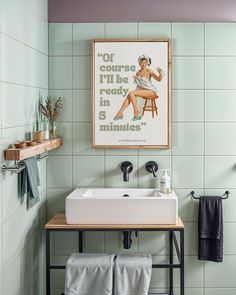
<point x="210" y="229"/>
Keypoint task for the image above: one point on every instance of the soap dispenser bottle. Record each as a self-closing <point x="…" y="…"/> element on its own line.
<point x="165" y="182"/>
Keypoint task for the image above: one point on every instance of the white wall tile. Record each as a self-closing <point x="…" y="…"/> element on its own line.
<point x="18" y="105"/>
<point x="11" y="200"/>
<point x="19" y="63"/>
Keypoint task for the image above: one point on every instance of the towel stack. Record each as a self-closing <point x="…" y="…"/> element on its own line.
<point x="104" y="274"/>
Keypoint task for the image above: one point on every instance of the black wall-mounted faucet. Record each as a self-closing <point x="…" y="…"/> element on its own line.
<point x="126" y="168"/>
<point x="152" y="167"/>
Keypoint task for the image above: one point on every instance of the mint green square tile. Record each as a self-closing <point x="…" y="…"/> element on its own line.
<point x="146" y="179"/>
<point x="114" y="175"/>
<point x="220" y="105"/>
<point x="220" y="72"/>
<point x="60" y="72"/>
<point x="222" y="276"/>
<point x="188" y="38"/>
<point x="188" y="207"/>
<point x="155" y="243"/>
<point x="220" y="291"/>
<point x="58" y="279"/>
<point x="118" y="152"/>
<point x="59" y="172"/>
<point x="188" y="73"/>
<point x="194" y="273"/>
<point x="82" y="109"/>
<point x="82" y="72"/>
<point x="220" y="38"/>
<point x="56" y="201"/>
<point x="191" y="238"/>
<point x="187" y="106"/>
<point x="64" y="130"/>
<point x="66" y="97"/>
<point x="155" y="30"/>
<point x="229" y="239"/>
<point x="114" y="243"/>
<point x="159" y="278"/>
<point x="92" y="247"/>
<point x="224" y="131"/>
<point x="82" y="140"/>
<point x="88" y="171"/>
<point x="191" y="291"/>
<point x="220" y="172"/>
<point x="66" y="243"/>
<point x="187" y="139"/>
<point x="60" y="39"/>
<point x="83" y="33"/>
<point x="121" y="30"/>
<point x="187" y="171"/>
<point x="155" y="152"/>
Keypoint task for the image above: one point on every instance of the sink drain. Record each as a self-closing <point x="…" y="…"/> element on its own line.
<point x="125" y="195"/>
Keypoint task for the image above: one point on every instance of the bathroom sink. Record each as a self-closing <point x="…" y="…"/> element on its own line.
<point x="121" y="206"/>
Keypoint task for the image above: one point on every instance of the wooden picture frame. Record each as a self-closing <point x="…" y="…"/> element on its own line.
<point x="131" y="93"/>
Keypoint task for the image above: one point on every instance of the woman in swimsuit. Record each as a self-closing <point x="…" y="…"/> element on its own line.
<point x="144" y="89"/>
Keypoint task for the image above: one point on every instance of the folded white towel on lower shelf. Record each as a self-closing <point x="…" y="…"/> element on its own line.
<point x="132" y="274"/>
<point x="89" y="274"/>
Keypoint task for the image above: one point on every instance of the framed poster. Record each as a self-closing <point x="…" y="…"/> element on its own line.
<point x="131" y="93"/>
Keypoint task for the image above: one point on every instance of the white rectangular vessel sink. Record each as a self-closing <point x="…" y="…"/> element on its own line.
<point x="121" y="206"/>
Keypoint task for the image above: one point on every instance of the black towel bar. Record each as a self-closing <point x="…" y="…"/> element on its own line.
<point x="224" y="196"/>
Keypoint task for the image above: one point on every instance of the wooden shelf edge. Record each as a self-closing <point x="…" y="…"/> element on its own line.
<point x="14" y="154"/>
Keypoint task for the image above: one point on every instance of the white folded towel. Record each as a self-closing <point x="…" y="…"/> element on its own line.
<point x="133" y="274"/>
<point x="89" y="274"/>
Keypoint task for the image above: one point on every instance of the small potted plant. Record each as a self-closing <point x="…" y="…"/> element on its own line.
<point x="52" y="111"/>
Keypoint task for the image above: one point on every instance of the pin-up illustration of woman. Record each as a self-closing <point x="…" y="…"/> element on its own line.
<point x="145" y="87"/>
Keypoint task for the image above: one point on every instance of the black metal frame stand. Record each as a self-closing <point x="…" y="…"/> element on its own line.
<point x="173" y="243"/>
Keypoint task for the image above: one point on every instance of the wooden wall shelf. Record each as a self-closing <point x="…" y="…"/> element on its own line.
<point x="31" y="151"/>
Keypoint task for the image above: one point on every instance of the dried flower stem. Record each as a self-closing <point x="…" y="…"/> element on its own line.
<point x="52" y="111"/>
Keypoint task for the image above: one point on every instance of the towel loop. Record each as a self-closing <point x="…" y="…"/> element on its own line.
<point x="19" y="166"/>
<point x="224" y="196"/>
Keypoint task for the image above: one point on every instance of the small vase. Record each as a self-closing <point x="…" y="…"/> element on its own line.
<point x="53" y="129"/>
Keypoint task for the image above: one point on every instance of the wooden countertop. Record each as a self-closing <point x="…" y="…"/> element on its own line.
<point x="58" y="222"/>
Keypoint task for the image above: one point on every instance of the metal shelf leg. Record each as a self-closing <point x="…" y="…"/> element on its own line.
<point x="48" y="262"/>
<point x="182" y="262"/>
<point x="171" y="263"/>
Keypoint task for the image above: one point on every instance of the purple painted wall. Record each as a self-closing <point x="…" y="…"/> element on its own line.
<point x="141" y="10"/>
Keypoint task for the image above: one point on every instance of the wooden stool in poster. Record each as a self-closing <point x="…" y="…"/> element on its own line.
<point x="150" y="108"/>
